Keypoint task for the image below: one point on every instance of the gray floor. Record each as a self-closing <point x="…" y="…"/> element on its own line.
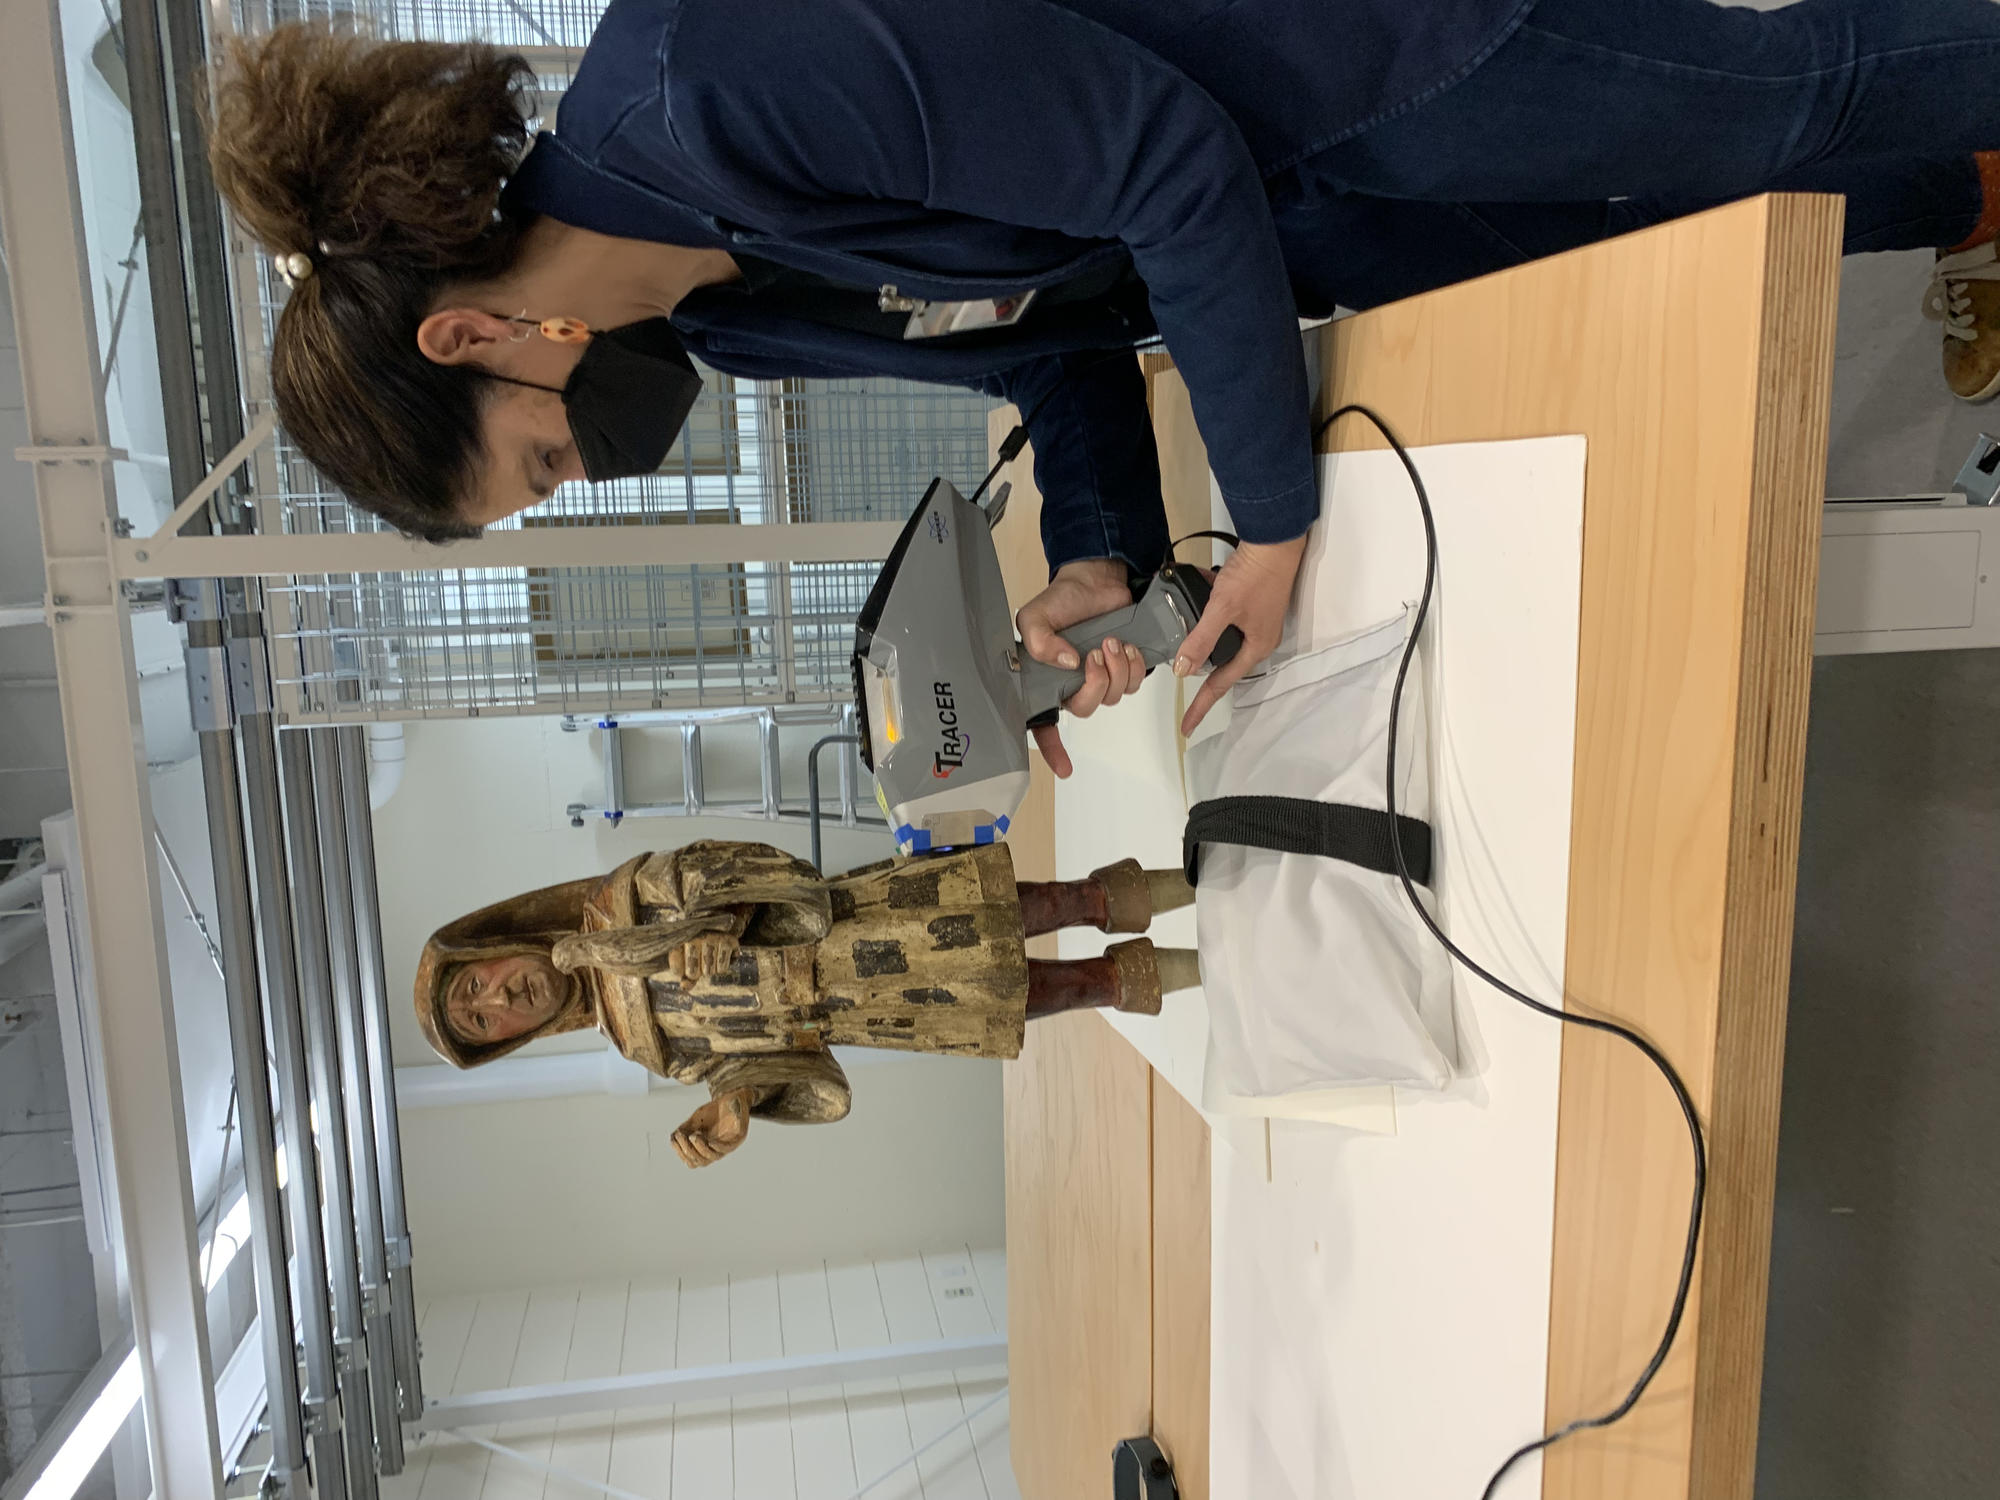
<point x="1882" y="1369"/>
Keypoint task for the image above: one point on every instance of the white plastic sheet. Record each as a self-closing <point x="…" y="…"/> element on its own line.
<point x="1318" y="973"/>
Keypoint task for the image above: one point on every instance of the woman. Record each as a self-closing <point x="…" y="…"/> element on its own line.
<point x="737" y="966"/>
<point x="997" y="193"/>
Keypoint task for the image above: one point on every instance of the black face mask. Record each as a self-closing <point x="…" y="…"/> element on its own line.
<point x="627" y="399"/>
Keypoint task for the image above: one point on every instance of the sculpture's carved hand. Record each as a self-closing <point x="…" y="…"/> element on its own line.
<point x="714" y="1130"/>
<point x="703" y="957"/>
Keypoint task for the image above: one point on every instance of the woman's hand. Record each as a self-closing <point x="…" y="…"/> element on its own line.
<point x="702" y="957"/>
<point x="1080" y="591"/>
<point x="714" y="1130"/>
<point x="1252" y="592"/>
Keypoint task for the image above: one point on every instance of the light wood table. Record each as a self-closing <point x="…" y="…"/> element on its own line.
<point x="1697" y="359"/>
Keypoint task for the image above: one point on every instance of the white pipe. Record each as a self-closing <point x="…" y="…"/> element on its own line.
<point x="22" y="614"/>
<point x="386" y="750"/>
<point x="23" y="887"/>
<point x="735" y="1380"/>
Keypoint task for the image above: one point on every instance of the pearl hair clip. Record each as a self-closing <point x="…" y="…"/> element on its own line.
<point x="295" y="267"/>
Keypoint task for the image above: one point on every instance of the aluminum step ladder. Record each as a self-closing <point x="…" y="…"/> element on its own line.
<point x="832" y="726"/>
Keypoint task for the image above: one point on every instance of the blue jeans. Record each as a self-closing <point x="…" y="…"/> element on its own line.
<point x="1602" y="116"/>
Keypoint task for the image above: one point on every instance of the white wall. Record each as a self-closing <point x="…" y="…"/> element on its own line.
<point x="588" y="1188"/>
<point x="510" y="1195"/>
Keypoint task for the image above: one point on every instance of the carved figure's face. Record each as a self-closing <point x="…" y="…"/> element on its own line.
<point x="498" y="999"/>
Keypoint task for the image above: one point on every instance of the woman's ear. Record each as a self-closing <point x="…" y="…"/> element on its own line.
<point x="461" y="335"/>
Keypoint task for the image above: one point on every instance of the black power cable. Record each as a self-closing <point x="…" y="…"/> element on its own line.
<point x="1652" y="1053"/>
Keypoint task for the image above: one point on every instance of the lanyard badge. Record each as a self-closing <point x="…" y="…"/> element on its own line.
<point x="929" y="320"/>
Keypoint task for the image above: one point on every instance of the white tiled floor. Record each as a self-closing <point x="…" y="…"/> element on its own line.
<point x="809" y="1444"/>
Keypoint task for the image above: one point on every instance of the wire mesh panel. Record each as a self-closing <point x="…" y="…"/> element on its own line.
<point x="551" y="33"/>
<point x="567" y="640"/>
<point x="457" y="641"/>
<point x="470" y="640"/>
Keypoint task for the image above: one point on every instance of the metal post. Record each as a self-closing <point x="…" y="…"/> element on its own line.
<point x="381" y="1069"/>
<point x="321" y="1395"/>
<point x="305" y="827"/>
<point x="207" y="239"/>
<point x="56" y="331"/>
<point x="693" y="795"/>
<point x="237" y="940"/>
<point x="850" y="766"/>
<point x="614" y="771"/>
<point x="772" y="771"/>
<point x="343" y="949"/>
<point x="812" y="787"/>
<point x="159" y="218"/>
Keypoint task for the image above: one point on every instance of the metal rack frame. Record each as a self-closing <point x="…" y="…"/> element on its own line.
<point x="88" y="608"/>
<point x="41" y="213"/>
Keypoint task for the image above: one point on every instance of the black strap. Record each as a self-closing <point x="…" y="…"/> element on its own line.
<point x="1212" y="536"/>
<point x="1296" y="825"/>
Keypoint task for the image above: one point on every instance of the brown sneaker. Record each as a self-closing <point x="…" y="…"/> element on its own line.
<point x="1964" y="295"/>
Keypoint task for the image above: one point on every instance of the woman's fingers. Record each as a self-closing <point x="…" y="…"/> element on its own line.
<point x="1252" y="593"/>
<point x="1087" y="699"/>
<point x="1049" y="741"/>
<point x="1124" y="669"/>
<point x="1219" y="682"/>
<point x="1079" y="591"/>
<point x="1194" y="651"/>
<point x="1039" y="636"/>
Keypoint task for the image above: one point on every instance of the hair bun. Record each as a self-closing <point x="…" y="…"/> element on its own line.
<point x="322" y="136"/>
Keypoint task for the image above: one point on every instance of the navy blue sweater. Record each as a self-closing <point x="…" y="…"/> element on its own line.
<point x="971" y="148"/>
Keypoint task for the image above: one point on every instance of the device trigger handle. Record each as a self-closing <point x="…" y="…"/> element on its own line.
<point x="1193" y="586"/>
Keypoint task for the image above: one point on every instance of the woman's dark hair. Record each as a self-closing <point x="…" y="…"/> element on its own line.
<point x="382" y="162"/>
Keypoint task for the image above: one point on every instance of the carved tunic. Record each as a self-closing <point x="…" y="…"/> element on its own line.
<point x="921" y="955"/>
